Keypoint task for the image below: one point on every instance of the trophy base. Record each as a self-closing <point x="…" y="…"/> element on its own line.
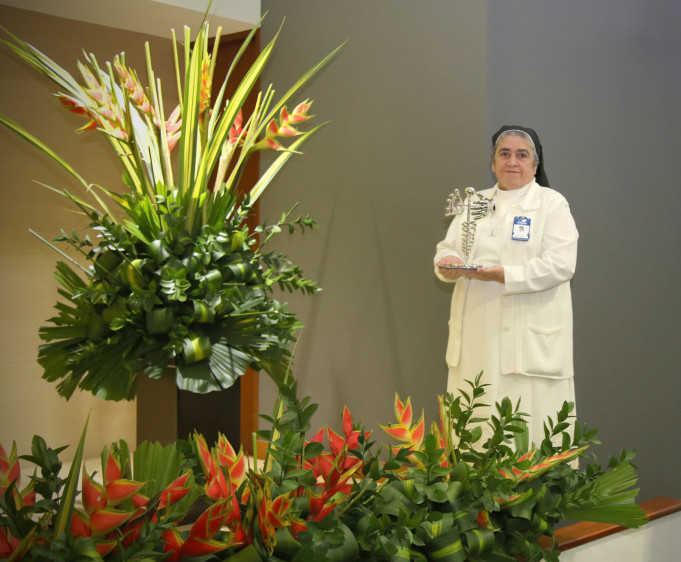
<point x="461" y="266"/>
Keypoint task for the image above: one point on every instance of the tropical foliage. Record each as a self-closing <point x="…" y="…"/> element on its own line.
<point x="173" y="274"/>
<point x="446" y="495"/>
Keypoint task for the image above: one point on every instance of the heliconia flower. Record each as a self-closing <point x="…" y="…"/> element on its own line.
<point x="112" y="468"/>
<point x="319" y="507"/>
<point x="398" y="431"/>
<point x="268" y="143"/>
<point x="514" y="499"/>
<point x="351" y="435"/>
<point x="483" y="519"/>
<point x="206" y="82"/>
<point x="175" y="491"/>
<point x="105" y="547"/>
<point x="300" y="112"/>
<point x="80" y="524"/>
<point x="138" y="500"/>
<point x="118" y="133"/>
<point x="9" y="468"/>
<point x="287" y="131"/>
<point x="226" y="455"/>
<point x="403" y="430"/>
<point x="73" y="105"/>
<point x="94" y="494"/>
<point x="173" y="126"/>
<point x="132" y="530"/>
<point x="540" y="468"/>
<point x="297" y="526"/>
<point x="8" y="543"/>
<point x="88" y="77"/>
<point x="210" y="521"/>
<point x="236" y="130"/>
<point x="121" y="490"/>
<point x="172" y="543"/>
<point x="218" y="487"/>
<point x="200" y="547"/>
<point x="417" y="432"/>
<point x="105" y="520"/>
<point x="206" y="459"/>
<point x="89" y="126"/>
<point x="272" y="514"/>
<point x="272" y="129"/>
<point x="403" y="410"/>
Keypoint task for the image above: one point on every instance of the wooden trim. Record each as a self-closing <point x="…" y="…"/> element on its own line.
<point x="586" y="531"/>
<point x="249" y="410"/>
<point x="262" y="449"/>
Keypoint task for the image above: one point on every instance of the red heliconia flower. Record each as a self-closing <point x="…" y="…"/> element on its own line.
<point x="200" y="547"/>
<point x="410" y="435"/>
<point x="112" y="469"/>
<point x="236" y="130"/>
<point x="208" y="464"/>
<point x="272" y="514"/>
<point x="94" y="494"/>
<point x="120" y="490"/>
<point x="403" y="410"/>
<point x="210" y="521"/>
<point x="9" y="468"/>
<point x="300" y="112"/>
<point x="298" y="526"/>
<point x="228" y="458"/>
<point x="173" y="543"/>
<point x="540" y="468"/>
<point x="103" y="521"/>
<point x="223" y="467"/>
<point x="73" y="105"/>
<point x="80" y="524"/>
<point x="8" y="543"/>
<point x="105" y="547"/>
<point x="218" y="487"/>
<point x="175" y="491"/>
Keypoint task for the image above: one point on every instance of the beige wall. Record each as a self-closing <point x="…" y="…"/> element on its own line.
<point x="28" y="404"/>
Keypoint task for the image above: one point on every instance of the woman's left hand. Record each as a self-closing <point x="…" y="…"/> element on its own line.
<point x="494" y="273"/>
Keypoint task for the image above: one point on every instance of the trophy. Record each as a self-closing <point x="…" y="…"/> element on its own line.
<point x="475" y="207"/>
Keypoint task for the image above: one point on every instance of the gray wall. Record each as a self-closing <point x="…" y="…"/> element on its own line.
<point x="413" y="99"/>
<point x="601" y="82"/>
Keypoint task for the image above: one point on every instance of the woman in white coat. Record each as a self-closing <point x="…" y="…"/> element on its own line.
<point x="512" y="317"/>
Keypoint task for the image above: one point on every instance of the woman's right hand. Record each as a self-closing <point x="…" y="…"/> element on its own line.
<point x="451" y="274"/>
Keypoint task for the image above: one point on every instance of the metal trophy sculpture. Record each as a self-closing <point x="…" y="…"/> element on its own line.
<point x="476" y="207"/>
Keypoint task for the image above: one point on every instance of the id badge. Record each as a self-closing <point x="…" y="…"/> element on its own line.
<point x="521" y="229"/>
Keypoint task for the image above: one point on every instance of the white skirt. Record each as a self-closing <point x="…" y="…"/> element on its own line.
<point x="540" y="397"/>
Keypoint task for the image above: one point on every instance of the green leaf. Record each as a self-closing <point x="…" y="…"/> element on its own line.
<point x="62" y="523"/>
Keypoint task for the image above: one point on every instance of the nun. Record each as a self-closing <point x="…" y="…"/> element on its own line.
<point x="511" y="318"/>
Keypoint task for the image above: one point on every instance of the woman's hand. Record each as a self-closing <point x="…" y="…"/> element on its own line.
<point x="451" y="274"/>
<point x="494" y="273"/>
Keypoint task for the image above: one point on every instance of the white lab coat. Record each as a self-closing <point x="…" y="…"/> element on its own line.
<point x="534" y="329"/>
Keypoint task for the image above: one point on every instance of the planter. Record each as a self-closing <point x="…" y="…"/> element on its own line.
<point x="165" y="413"/>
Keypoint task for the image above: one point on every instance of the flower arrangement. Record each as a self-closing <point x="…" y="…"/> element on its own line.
<point x="174" y="275"/>
<point x="446" y="495"/>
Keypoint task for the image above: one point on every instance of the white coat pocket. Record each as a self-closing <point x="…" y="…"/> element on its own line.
<point x="543" y="352"/>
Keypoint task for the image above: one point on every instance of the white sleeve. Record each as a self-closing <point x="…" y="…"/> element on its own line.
<point x="447" y="248"/>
